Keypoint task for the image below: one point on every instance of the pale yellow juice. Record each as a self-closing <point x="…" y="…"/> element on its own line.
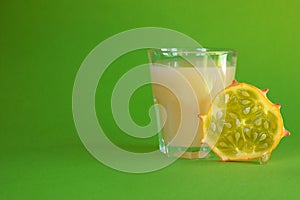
<point x="205" y="82"/>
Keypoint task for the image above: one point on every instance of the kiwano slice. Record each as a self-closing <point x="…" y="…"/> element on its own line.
<point x="242" y="124"/>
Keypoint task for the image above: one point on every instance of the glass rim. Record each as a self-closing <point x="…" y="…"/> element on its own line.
<point x="202" y="50"/>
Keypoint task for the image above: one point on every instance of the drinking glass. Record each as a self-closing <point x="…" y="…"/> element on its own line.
<point x="184" y="83"/>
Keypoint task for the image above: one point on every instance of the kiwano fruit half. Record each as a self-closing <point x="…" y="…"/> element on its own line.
<point x="243" y="124"/>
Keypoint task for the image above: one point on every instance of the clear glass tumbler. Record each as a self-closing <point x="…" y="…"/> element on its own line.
<point x="184" y="82"/>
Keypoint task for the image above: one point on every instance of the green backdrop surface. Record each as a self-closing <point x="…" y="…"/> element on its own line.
<point x="43" y="43"/>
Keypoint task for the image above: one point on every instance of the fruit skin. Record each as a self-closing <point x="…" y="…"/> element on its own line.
<point x="263" y="156"/>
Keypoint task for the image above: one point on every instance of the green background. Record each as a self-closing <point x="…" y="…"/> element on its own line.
<point x="43" y="43"/>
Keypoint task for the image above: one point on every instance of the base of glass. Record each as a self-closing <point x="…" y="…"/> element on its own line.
<point x="190" y="153"/>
